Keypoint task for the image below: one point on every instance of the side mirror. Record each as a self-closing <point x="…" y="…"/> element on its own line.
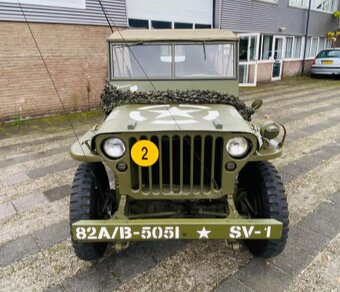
<point x="257" y="103"/>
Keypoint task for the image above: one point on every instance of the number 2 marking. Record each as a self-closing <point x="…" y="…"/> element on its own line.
<point x="144" y="153"/>
<point x="145" y="150"/>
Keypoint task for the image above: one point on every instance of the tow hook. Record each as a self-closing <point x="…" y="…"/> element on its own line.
<point x="234" y="245"/>
<point x="121" y="245"/>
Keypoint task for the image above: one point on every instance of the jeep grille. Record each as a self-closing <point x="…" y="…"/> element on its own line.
<point x="190" y="164"/>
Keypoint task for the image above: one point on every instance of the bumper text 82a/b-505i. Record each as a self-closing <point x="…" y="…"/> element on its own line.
<point x="164" y="229"/>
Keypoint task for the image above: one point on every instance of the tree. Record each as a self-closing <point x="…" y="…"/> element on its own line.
<point x="334" y="36"/>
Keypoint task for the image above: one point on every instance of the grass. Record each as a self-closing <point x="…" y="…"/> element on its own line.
<point x="26" y="124"/>
<point x="16" y="121"/>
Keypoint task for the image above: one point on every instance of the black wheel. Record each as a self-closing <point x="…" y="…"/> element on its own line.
<point x="88" y="201"/>
<point x="313" y="75"/>
<point x="261" y="195"/>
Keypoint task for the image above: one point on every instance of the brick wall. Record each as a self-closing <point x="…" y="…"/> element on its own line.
<point x="291" y="68"/>
<point x="264" y="72"/>
<point x="76" y="58"/>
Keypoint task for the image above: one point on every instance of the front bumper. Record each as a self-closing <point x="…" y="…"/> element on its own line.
<point x="172" y="228"/>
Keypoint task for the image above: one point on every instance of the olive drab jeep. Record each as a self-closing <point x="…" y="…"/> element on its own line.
<point x="187" y="161"/>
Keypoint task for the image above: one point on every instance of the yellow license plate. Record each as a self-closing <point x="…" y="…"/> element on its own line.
<point x="327" y="62"/>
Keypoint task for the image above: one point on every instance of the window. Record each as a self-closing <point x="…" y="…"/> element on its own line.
<point x="243" y="48"/>
<point x="299" y="3"/>
<point x="160" y="24"/>
<point x="308" y="55"/>
<point x="206" y="60"/>
<point x="198" y="25"/>
<point x="179" y="25"/>
<point x="247" y="47"/>
<point x="209" y="60"/>
<point x="314" y="47"/>
<point x="141" y="61"/>
<point x="266" y="49"/>
<point x="138" y="23"/>
<point x="318" y="5"/>
<point x="156" y="24"/>
<point x="322" y="44"/>
<point x="293" y="47"/>
<point x="270" y="1"/>
<point x="289" y="47"/>
<point x="324" y="5"/>
<point x="328" y="44"/>
<point x="252" y="48"/>
<point x="297" y="47"/>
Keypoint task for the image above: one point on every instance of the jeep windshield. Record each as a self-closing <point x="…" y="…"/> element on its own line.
<point x="170" y="61"/>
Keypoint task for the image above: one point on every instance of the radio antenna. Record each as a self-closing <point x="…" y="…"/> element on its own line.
<point x="103" y="9"/>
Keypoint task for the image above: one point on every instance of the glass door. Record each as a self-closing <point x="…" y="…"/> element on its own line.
<point x="277" y="56"/>
<point x="248" y="52"/>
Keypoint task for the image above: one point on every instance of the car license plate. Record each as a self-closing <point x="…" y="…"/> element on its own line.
<point x="326" y="62"/>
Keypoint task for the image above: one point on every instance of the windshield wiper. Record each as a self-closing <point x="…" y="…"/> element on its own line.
<point x="205" y="57"/>
<point x="205" y="53"/>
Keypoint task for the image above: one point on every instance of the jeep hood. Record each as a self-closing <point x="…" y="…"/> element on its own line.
<point x="174" y="117"/>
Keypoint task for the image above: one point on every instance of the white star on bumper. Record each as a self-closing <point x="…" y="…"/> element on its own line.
<point x="203" y="233"/>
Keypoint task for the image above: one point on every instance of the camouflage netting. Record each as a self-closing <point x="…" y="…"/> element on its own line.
<point x="113" y="97"/>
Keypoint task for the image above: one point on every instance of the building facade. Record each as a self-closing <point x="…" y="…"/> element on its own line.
<point x="272" y="34"/>
<point x="72" y="38"/>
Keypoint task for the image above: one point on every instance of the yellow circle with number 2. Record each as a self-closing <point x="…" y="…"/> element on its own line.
<point x="144" y="153"/>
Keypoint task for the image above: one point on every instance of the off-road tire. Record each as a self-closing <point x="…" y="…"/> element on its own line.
<point x="89" y="184"/>
<point x="262" y="179"/>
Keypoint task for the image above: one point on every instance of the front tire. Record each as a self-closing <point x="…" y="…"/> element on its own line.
<point x="87" y="200"/>
<point x="262" y="195"/>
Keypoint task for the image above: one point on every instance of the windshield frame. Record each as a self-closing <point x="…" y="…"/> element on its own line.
<point x="234" y="44"/>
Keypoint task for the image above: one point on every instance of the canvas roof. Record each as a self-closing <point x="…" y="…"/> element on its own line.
<point x="159" y="35"/>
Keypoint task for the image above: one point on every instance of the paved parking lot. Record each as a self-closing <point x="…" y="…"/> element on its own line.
<point x="35" y="176"/>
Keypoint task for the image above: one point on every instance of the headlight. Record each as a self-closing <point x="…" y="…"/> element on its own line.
<point x="270" y="130"/>
<point x="237" y="147"/>
<point x="114" y="147"/>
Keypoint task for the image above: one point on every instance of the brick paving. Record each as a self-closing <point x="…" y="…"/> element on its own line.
<point x="168" y="266"/>
<point x="306" y="240"/>
<point x="14" y="179"/>
<point x="29" y="202"/>
<point x="6" y="210"/>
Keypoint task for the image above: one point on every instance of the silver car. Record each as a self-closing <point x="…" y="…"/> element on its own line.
<point x="327" y="62"/>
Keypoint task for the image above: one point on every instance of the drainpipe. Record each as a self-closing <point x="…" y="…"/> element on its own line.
<point x="214" y="14"/>
<point x="306" y="36"/>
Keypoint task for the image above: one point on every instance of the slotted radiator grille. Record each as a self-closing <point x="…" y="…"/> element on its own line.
<point x="186" y="165"/>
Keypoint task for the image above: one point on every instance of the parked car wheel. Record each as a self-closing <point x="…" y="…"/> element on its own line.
<point x="261" y="195"/>
<point x="87" y="202"/>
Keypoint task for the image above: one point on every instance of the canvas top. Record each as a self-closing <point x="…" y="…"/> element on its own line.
<point x="159" y="35"/>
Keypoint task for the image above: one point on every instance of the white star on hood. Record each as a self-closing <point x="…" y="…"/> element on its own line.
<point x="174" y="111"/>
<point x="203" y="233"/>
